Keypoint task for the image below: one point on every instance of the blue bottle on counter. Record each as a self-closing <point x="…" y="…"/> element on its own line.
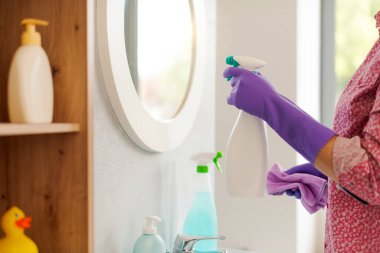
<point x="150" y="241"/>
<point x="202" y="217"/>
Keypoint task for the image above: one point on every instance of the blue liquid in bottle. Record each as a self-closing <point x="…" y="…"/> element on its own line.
<point x="202" y="221"/>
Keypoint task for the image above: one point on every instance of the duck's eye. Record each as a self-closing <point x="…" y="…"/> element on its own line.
<point x="16" y="214"/>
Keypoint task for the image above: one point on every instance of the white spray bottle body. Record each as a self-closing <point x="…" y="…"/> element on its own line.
<point x="247" y="149"/>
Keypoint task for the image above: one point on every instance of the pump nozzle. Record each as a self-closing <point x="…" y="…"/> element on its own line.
<point x="151" y="225"/>
<point x="30" y="36"/>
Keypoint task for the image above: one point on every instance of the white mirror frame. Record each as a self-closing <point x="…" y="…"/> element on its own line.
<point x="147" y="132"/>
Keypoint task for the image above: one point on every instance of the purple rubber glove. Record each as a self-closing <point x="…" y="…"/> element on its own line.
<point x="305" y="169"/>
<point x="253" y="94"/>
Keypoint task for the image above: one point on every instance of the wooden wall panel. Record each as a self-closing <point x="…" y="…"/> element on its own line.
<point x="47" y="175"/>
<point x="3" y="176"/>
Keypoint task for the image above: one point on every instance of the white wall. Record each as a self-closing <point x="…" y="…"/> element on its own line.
<point x="131" y="183"/>
<point x="266" y="30"/>
<point x="310" y="228"/>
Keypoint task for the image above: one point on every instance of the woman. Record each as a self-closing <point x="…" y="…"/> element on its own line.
<point x="349" y="154"/>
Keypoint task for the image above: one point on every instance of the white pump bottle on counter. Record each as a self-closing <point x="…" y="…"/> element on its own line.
<point x="247" y="150"/>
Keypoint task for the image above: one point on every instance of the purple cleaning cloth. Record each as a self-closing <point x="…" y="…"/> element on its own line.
<point x="313" y="189"/>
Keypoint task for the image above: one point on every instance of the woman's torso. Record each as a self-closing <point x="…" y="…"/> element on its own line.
<point x="350" y="225"/>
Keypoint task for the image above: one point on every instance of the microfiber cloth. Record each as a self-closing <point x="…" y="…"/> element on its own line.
<point x="313" y="189"/>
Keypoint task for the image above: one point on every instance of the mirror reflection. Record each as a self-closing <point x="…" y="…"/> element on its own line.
<point x="159" y="45"/>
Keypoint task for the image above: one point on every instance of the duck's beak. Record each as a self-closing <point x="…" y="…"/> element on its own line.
<point x="24" y="222"/>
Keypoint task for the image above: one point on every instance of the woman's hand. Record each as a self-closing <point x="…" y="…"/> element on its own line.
<point x="303" y="169"/>
<point x="250" y="91"/>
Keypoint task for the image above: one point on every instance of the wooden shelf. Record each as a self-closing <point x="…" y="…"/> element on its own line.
<point x="47" y="174"/>
<point x="9" y="129"/>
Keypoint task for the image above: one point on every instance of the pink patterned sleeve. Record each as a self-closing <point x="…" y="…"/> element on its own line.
<point x="356" y="161"/>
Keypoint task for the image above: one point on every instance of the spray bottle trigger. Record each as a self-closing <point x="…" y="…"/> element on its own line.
<point x="216" y="161"/>
<point x="231" y="61"/>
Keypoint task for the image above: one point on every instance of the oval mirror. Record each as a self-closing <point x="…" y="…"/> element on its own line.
<point x="159" y="44"/>
<point x="152" y="55"/>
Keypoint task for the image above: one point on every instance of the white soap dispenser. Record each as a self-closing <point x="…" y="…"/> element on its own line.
<point x="150" y="241"/>
<point x="30" y="82"/>
<point x="247" y="151"/>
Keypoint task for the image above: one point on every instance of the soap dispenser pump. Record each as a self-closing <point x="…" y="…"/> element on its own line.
<point x="150" y="241"/>
<point x="30" y="82"/>
<point x="201" y="219"/>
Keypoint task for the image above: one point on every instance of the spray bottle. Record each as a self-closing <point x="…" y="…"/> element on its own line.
<point x="247" y="152"/>
<point x="202" y="218"/>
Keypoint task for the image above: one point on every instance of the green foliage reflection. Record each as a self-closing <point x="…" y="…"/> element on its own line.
<point x="355" y="34"/>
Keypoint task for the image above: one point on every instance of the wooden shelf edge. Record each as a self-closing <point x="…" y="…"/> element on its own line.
<point x="11" y="129"/>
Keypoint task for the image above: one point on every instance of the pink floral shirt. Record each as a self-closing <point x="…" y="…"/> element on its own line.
<point x="351" y="225"/>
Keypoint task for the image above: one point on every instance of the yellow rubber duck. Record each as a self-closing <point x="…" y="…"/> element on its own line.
<point x="13" y="224"/>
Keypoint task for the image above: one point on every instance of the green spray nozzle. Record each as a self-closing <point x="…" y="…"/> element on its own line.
<point x="202" y="159"/>
<point x="231" y="61"/>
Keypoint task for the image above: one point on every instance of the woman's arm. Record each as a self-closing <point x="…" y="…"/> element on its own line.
<point x="323" y="162"/>
<point x="355" y="162"/>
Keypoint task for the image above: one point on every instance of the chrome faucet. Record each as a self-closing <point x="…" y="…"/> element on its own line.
<point x="185" y="243"/>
